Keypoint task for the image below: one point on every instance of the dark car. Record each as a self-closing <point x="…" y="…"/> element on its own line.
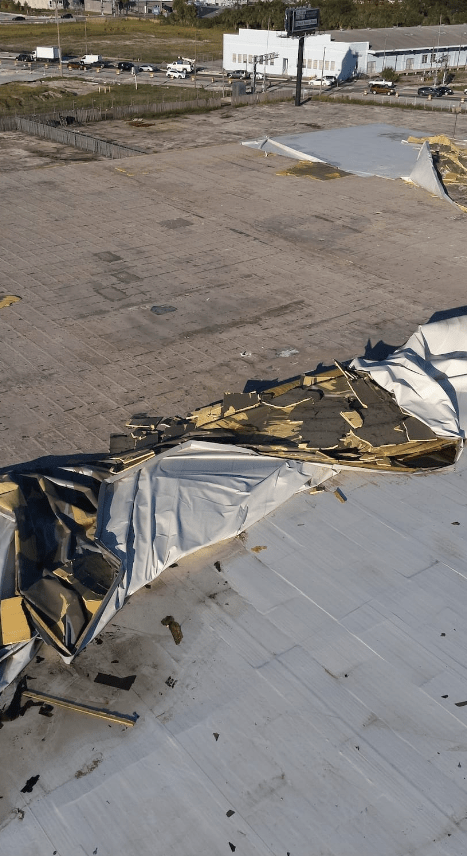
<point x="382" y="89"/>
<point x="67" y="15"/>
<point x="126" y="66"/>
<point x="24" y="57"/>
<point x="19" y="18"/>
<point x="425" y="91"/>
<point x="75" y="63"/>
<point x="107" y="64"/>
<point x="445" y="90"/>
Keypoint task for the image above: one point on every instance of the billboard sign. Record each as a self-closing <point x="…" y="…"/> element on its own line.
<point x="300" y="20"/>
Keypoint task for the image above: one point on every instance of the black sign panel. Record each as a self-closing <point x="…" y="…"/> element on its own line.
<point x="300" y="20"/>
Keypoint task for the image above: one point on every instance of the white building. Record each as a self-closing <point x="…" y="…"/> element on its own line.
<point x="343" y="52"/>
<point x="321" y="56"/>
<point x="407" y="49"/>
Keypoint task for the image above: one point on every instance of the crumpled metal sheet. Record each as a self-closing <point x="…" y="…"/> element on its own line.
<point x="75" y="541"/>
<point x="447" y="161"/>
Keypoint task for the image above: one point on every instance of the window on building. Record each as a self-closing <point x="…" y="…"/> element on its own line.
<point x="250" y="57"/>
<point x="326" y="65"/>
<point x="245" y="57"/>
<point x="234" y="57"/>
<point x="371" y="67"/>
<point x="333" y="65"/>
<point x="320" y="64"/>
<point x="424" y="59"/>
<point x="310" y="63"/>
<point x="433" y="57"/>
<point x="315" y="63"/>
<point x="409" y="63"/>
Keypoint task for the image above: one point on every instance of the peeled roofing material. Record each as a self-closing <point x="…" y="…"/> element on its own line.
<point x="76" y="541"/>
<point x="424" y="174"/>
<point x="428" y="375"/>
<point x="450" y="172"/>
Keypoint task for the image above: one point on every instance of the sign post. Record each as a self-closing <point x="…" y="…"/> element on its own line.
<point x="300" y="21"/>
<point x="261" y="59"/>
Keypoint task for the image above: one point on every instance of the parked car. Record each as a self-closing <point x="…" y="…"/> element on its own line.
<point x="19" y="18"/>
<point x="75" y="63"/>
<point x="126" y="66"/>
<point x="182" y="63"/>
<point x="239" y="74"/>
<point x="445" y="90"/>
<point x="380" y="81"/>
<point x="327" y="80"/>
<point x="172" y="72"/>
<point x="106" y="64"/>
<point x="425" y="91"/>
<point x="25" y="57"/>
<point x="382" y="89"/>
<point x="146" y="66"/>
<point x="67" y="15"/>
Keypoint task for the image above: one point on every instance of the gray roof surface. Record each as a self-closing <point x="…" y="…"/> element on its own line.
<point x="405" y="38"/>
<point x="363" y="150"/>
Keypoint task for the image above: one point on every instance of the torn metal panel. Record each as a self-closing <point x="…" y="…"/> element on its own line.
<point x="427" y="377"/>
<point x="75" y="541"/>
<point x="424" y="174"/>
<point x="442" y="168"/>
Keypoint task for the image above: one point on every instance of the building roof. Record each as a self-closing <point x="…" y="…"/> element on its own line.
<point x="406" y="38"/>
<point x="305" y="709"/>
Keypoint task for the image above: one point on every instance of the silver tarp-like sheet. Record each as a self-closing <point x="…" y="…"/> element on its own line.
<point x="428" y="375"/>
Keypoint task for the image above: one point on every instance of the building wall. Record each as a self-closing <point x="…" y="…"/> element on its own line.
<point x="46" y="4"/>
<point x="320" y="56"/>
<point x="425" y="60"/>
<point x="102" y="7"/>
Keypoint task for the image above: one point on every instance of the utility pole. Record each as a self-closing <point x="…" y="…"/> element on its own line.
<point x="322" y="73"/>
<point x="298" y="88"/>
<point x="58" y="39"/>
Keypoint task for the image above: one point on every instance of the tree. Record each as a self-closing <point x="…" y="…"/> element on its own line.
<point x="388" y="73"/>
<point x="183" y="12"/>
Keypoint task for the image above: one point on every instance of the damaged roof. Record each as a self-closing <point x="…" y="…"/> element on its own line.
<point x="77" y="540"/>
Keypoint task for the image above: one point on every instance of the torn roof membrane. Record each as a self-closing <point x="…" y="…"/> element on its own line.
<point x="433" y="163"/>
<point x="76" y="541"/>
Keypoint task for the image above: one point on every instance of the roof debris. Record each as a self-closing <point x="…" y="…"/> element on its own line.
<point x="8" y="299"/>
<point x="71" y="547"/>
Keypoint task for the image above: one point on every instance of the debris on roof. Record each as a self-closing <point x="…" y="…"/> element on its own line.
<point x="8" y="299"/>
<point x="76" y="540"/>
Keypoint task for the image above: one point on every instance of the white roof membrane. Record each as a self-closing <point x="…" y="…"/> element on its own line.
<point x="364" y="150"/>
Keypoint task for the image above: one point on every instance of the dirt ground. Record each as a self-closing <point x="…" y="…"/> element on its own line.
<point x="227" y="125"/>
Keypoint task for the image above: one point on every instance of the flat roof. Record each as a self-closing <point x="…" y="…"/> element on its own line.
<point x="406" y="38"/>
<point x="314" y="696"/>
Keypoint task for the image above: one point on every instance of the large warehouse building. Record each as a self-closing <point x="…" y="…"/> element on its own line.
<point x="344" y="52"/>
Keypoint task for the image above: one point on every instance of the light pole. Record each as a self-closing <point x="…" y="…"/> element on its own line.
<point x="322" y="73"/>
<point x="58" y="39"/>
